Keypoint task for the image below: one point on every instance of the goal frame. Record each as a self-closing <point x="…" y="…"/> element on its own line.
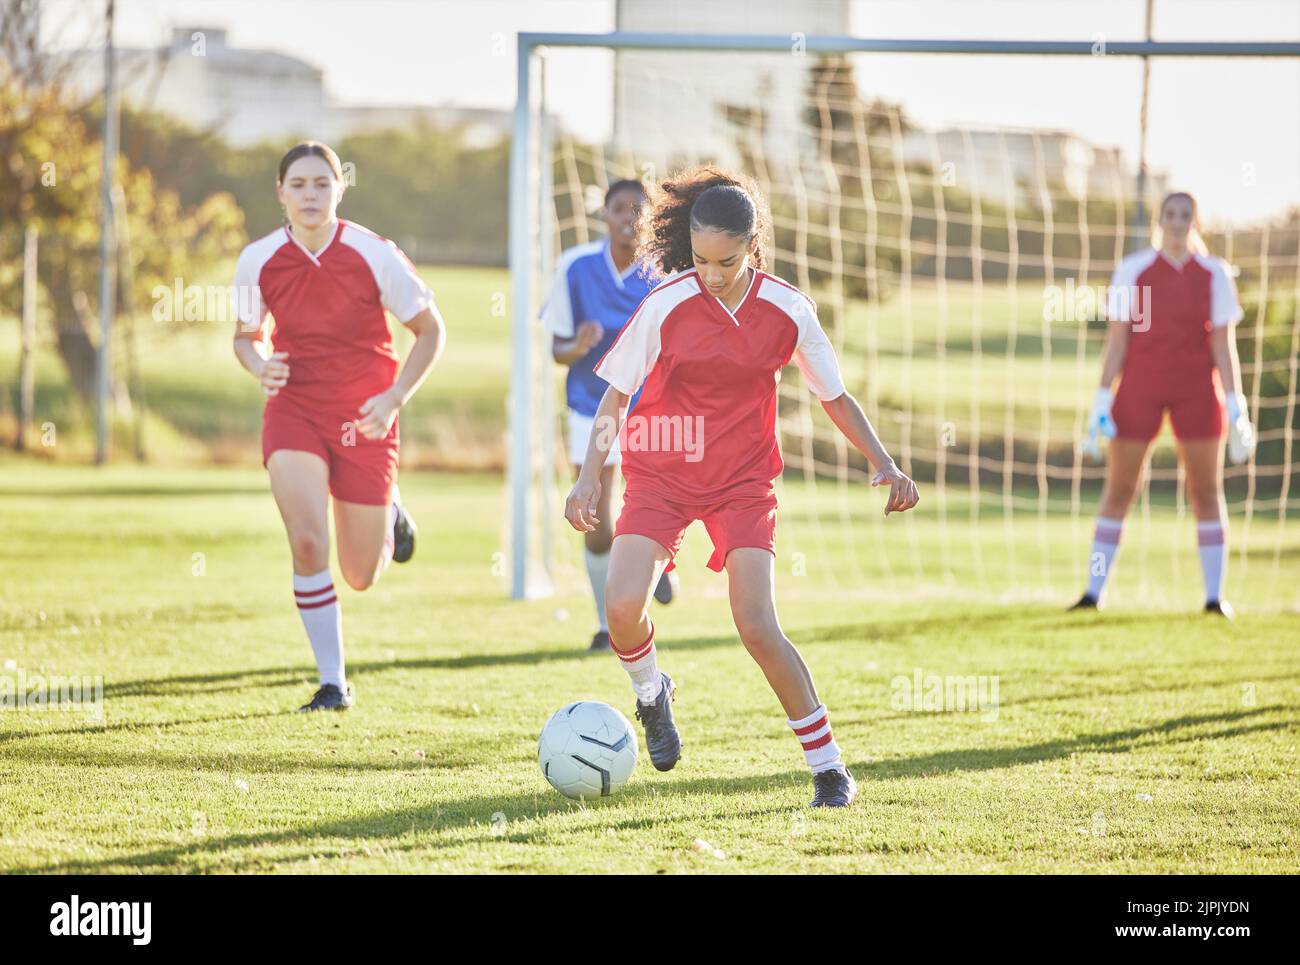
<point x="524" y="223"/>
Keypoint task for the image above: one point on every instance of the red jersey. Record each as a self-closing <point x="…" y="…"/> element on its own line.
<point x="704" y="426"/>
<point x="328" y="310"/>
<point x="1172" y="310"/>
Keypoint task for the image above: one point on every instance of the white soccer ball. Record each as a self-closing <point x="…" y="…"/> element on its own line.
<point x="587" y="750"/>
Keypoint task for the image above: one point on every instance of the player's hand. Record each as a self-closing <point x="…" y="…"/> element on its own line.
<point x="1241" y="432"/>
<point x="1100" y="423"/>
<point x="588" y="336"/>
<point x="377" y="415"/>
<point x="902" y="491"/>
<point x="274" y="373"/>
<point x="580" y="507"/>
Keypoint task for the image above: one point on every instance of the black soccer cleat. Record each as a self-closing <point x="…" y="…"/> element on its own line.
<point x="662" y="741"/>
<point x="1086" y="602"/>
<point x="834" y="788"/>
<point x="599" y="642"/>
<point x="1222" y="608"/>
<point x="403" y="533"/>
<point x="665" y="588"/>
<point x="329" y="697"/>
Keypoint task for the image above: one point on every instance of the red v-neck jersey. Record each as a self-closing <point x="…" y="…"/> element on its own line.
<point x="328" y="310"/>
<point x="1172" y="310"/>
<point x="709" y="382"/>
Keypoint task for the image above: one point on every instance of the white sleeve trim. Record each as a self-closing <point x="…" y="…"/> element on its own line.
<point x="813" y="352"/>
<point x="1225" y="308"/>
<point x="1122" y="298"/>
<point x="557" y="312"/>
<point x="401" y="290"/>
<point x="246" y="295"/>
<point x="629" y="360"/>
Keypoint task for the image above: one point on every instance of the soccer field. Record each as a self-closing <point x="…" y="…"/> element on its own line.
<point x="1144" y="739"/>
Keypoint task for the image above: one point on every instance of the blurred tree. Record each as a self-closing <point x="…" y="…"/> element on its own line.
<point x="439" y="198"/>
<point x="52" y="155"/>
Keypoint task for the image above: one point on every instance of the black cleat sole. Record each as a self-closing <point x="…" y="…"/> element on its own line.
<point x="403" y="535"/>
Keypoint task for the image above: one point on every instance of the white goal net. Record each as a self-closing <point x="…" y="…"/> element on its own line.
<point x="957" y="258"/>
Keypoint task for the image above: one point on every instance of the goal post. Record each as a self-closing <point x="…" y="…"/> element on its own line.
<point x="875" y="261"/>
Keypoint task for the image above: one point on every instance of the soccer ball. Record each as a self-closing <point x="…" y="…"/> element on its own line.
<point x="587" y="750"/>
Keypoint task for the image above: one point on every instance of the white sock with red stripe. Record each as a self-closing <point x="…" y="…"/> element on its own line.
<point x="819" y="747"/>
<point x="643" y="668"/>
<point x="1210" y="538"/>
<point x="318" y="605"/>
<point x="1105" y="543"/>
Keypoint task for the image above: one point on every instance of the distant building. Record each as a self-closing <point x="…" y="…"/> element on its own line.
<point x="670" y="102"/>
<point x="1005" y="164"/>
<point x="253" y="95"/>
<point x="20" y="42"/>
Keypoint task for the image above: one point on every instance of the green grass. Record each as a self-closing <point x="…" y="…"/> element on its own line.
<point x="914" y="353"/>
<point x="203" y="406"/>
<point x="199" y="765"/>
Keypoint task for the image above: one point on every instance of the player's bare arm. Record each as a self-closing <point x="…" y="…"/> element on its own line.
<point x="580" y="507"/>
<point x="1117" y="336"/>
<point x="1223" y="349"/>
<point x="566" y="351"/>
<point x="849" y="418"/>
<point x="378" y="412"/>
<point x="271" y="370"/>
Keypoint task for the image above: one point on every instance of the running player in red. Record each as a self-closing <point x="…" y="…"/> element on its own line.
<point x="706" y="348"/>
<point x="1171" y="345"/>
<point x="331" y="377"/>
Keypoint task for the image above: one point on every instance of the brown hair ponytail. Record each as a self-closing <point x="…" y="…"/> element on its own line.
<point x="726" y="202"/>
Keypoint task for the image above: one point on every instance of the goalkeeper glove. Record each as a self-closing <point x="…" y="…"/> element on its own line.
<point x="1100" y="423"/>
<point x="1241" y="433"/>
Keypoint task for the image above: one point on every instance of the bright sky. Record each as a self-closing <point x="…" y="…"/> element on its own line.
<point x="1228" y="129"/>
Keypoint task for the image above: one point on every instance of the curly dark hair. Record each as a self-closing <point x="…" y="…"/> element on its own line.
<point x="694" y="198"/>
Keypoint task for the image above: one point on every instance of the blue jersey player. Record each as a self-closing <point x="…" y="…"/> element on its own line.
<point x="597" y="288"/>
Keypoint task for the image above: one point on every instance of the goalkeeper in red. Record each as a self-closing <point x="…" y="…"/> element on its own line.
<point x="1170" y="343"/>
<point x="706" y="348"/>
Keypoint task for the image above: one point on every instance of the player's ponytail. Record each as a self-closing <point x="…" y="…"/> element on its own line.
<point x="696" y="198"/>
<point x="1195" y="242"/>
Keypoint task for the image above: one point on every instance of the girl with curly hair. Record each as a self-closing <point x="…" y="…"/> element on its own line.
<point x="706" y="348"/>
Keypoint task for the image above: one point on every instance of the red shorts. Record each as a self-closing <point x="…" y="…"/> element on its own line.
<point x="1195" y="407"/>
<point x="361" y="470"/>
<point x="746" y="519"/>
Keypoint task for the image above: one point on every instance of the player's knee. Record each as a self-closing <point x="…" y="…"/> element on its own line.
<point x="1204" y="499"/>
<point x="599" y="542"/>
<point x="761" y="636"/>
<point x="624" y="610"/>
<point x="311" y="550"/>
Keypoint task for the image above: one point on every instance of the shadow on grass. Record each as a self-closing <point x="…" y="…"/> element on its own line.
<point x="477" y="811"/>
<point x="132" y="491"/>
<point x="468" y="813"/>
<point x="283" y="676"/>
<point x="1111" y="742"/>
<point x="91" y="728"/>
<point x="1145" y="688"/>
<point x="960" y="625"/>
